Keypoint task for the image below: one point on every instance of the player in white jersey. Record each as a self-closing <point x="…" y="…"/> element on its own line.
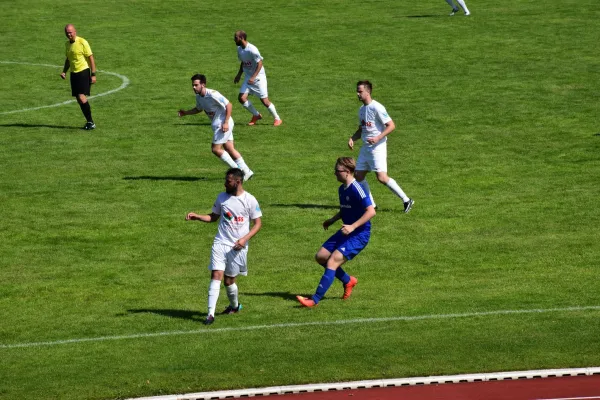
<point x="218" y="109"/>
<point x="255" y="79"/>
<point x="374" y="126"/>
<point x="462" y="5"/>
<point x="234" y="209"/>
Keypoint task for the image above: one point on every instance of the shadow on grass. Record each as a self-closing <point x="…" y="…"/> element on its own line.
<point x="182" y="314"/>
<point x="297" y="205"/>
<point x="424" y="16"/>
<point x="194" y="123"/>
<point x="282" y="295"/>
<point x="321" y="206"/>
<point x="168" y="178"/>
<point x="40" y="126"/>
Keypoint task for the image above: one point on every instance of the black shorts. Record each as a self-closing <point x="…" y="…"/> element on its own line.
<point x="81" y="82"/>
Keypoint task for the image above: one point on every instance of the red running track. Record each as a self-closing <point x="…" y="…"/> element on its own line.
<point x="563" y="388"/>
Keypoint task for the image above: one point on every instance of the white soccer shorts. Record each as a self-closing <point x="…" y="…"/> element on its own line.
<point x="372" y="159"/>
<point x="225" y="258"/>
<point x="220" y="137"/>
<point x="258" y="89"/>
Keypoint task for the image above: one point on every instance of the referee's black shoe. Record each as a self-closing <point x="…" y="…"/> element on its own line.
<point x="89" y="126"/>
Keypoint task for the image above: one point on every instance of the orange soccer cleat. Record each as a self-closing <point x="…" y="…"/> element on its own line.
<point x="254" y="119"/>
<point x="348" y="288"/>
<point x="277" y="122"/>
<point x="306" y="302"/>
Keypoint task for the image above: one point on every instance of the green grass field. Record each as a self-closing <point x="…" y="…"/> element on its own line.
<point x="497" y="140"/>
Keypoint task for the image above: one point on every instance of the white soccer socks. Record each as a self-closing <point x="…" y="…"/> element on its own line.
<point x="393" y="186"/>
<point x="213" y="295"/>
<point x="273" y="111"/>
<point x="232" y="295"/>
<point x="248" y="106"/>
<point x="226" y="158"/>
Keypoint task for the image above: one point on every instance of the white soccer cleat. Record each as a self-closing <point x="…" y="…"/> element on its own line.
<point x="248" y="175"/>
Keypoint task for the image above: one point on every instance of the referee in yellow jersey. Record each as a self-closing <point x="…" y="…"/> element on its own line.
<point x="83" y="71"/>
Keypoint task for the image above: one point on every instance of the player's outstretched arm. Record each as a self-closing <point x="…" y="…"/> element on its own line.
<point x="212" y="217"/>
<point x="183" y="113"/>
<point x="328" y="222"/>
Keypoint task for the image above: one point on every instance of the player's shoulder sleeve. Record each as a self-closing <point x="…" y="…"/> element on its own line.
<point x="199" y="102"/>
<point x="255" y="53"/>
<point x="361" y="194"/>
<point x="219" y="98"/>
<point x="87" y="50"/>
<point x="382" y="113"/>
<point x="254" y="210"/>
<point x="216" y="209"/>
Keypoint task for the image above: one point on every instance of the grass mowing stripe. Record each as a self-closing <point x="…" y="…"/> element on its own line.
<point x="299" y="325"/>
<point x="124" y="84"/>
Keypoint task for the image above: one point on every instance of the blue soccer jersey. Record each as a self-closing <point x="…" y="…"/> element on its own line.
<point x="353" y="202"/>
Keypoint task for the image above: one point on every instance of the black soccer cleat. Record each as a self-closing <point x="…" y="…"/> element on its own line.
<point x="408" y="205"/>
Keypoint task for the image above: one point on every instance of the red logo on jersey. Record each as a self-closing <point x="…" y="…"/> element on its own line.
<point x="248" y="63"/>
<point x="365" y="123"/>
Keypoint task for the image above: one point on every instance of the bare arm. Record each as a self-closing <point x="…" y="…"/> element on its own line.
<point x="241" y="243"/>
<point x="212" y="217"/>
<point x="366" y="217"/>
<point x="65" y="68"/>
<point x="389" y="127"/>
<point x="193" y="111"/>
<point x="354" y="137"/>
<point x="92" y="67"/>
<point x="228" y="109"/>
<point x="328" y="222"/>
<point x="256" y="71"/>
<point x="239" y="74"/>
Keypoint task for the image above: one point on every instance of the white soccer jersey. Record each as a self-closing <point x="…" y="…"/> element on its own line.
<point x="214" y="104"/>
<point x="236" y="213"/>
<point x="372" y="118"/>
<point x="250" y="56"/>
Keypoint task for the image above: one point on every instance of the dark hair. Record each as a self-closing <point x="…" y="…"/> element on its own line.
<point x="241" y="34"/>
<point x="236" y="172"/>
<point x="199" y="77"/>
<point x="347" y="162"/>
<point x="366" y="84"/>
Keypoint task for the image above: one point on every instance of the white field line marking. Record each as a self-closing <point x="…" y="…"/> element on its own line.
<point x="299" y="325"/>
<point x="124" y="84"/>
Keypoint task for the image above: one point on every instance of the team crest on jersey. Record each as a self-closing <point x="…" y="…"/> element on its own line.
<point x="347" y="198"/>
<point x="228" y="215"/>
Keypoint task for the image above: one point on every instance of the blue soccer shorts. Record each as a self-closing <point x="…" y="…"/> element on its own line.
<point x="349" y="245"/>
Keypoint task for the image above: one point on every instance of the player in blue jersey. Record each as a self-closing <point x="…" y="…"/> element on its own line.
<point x="356" y="211"/>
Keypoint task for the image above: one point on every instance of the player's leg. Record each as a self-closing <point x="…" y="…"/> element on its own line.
<point x="216" y="267"/>
<point x="463" y="6"/>
<point x="360" y="176"/>
<point x="323" y="255"/>
<point x="263" y="94"/>
<point x="454" y="8"/>
<point x="379" y="166"/>
<point x="238" y="159"/>
<point x="218" y="150"/>
<point x="80" y="89"/>
<point x="237" y="264"/>
<point x="247" y="104"/>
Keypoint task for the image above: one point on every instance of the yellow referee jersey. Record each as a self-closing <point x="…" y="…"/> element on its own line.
<point x="78" y="53"/>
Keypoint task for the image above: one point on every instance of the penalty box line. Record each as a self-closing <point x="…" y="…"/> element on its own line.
<point x="297" y="325"/>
